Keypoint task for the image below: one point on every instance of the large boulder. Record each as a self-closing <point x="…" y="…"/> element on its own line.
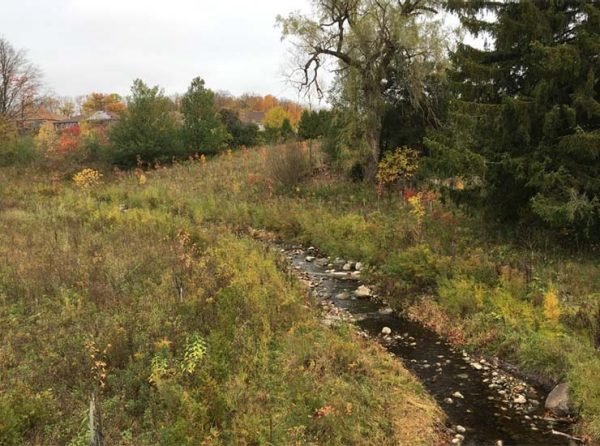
<point x="558" y="401"/>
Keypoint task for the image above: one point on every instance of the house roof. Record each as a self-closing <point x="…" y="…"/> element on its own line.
<point x="43" y="114"/>
<point x="72" y="120"/>
<point x="100" y="116"/>
<point x="255" y="117"/>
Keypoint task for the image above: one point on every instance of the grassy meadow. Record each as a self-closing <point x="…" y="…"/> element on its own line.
<point x="146" y="289"/>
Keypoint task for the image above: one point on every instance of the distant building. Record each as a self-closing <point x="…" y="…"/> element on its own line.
<point x="102" y="117"/>
<point x="253" y="117"/>
<point x="96" y="118"/>
<point x="68" y="123"/>
<point x="36" y="119"/>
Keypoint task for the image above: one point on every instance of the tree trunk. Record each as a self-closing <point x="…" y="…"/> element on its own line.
<point x="375" y="106"/>
<point x="373" y="139"/>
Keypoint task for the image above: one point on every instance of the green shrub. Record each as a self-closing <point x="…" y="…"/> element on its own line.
<point x="146" y="131"/>
<point x="22" y="412"/>
<point x="18" y="151"/>
<point x="585" y="387"/>
<point x="417" y="268"/>
<point x="461" y="296"/>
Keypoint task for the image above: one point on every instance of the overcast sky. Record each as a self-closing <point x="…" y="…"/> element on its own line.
<point x="102" y="45"/>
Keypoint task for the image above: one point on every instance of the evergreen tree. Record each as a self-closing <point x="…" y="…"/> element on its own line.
<point x="306" y="125"/>
<point x="287" y="131"/>
<point x="242" y="134"/>
<point x="203" y="131"/>
<point x="525" y="121"/>
<point x="147" y="129"/>
<point x="314" y="124"/>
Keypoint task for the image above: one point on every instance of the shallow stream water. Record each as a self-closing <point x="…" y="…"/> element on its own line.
<point x="483" y="403"/>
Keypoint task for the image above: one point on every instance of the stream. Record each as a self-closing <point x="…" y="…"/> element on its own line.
<point x="484" y="404"/>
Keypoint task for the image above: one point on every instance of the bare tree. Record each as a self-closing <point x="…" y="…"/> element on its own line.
<point x="19" y="82"/>
<point x="366" y="39"/>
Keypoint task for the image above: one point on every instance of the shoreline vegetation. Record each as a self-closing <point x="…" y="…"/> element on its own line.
<point x="534" y="307"/>
<point x="460" y="164"/>
<point x="137" y="288"/>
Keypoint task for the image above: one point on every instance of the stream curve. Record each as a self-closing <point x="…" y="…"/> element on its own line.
<point x="485" y="405"/>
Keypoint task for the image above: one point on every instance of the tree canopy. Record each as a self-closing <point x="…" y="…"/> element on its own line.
<point x="314" y="124"/>
<point x="203" y="132"/>
<point x="525" y="119"/>
<point x="147" y="130"/>
<point x="19" y="82"/>
<point x="242" y="134"/>
<point x="112" y="103"/>
<point x="369" y="41"/>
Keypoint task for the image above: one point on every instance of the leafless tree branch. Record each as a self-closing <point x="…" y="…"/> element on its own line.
<point x="19" y="82"/>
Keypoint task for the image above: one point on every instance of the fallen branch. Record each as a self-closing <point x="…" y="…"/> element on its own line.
<point x="570" y="437"/>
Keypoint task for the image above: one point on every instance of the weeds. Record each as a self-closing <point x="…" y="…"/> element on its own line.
<point x="189" y="333"/>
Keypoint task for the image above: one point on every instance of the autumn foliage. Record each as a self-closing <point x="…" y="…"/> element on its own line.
<point x="249" y="103"/>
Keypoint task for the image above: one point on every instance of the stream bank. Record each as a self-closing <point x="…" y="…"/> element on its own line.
<point x="485" y="404"/>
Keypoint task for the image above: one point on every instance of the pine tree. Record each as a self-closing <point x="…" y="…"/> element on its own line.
<point x="147" y="130"/>
<point x="525" y="119"/>
<point x="203" y="131"/>
<point x="314" y="124"/>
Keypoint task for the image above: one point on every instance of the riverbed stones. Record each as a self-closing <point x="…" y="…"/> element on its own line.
<point x="363" y="292"/>
<point x="339" y="263"/>
<point x="460" y="429"/>
<point x="520" y="399"/>
<point x="358" y="266"/>
<point x="322" y="262"/>
<point x="508" y="391"/>
<point x="558" y="401"/>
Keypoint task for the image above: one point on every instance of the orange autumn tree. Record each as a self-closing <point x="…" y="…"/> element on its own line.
<point x="248" y="103"/>
<point x="268" y="102"/>
<point x="110" y="103"/>
<point x="68" y="141"/>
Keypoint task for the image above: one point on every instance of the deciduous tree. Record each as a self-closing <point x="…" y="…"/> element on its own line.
<point x="367" y="39"/>
<point x="19" y="82"/>
<point x="274" y="117"/>
<point x="111" y="103"/>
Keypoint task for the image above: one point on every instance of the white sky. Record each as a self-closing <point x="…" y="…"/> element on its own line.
<point x="85" y="46"/>
<point x="102" y="45"/>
